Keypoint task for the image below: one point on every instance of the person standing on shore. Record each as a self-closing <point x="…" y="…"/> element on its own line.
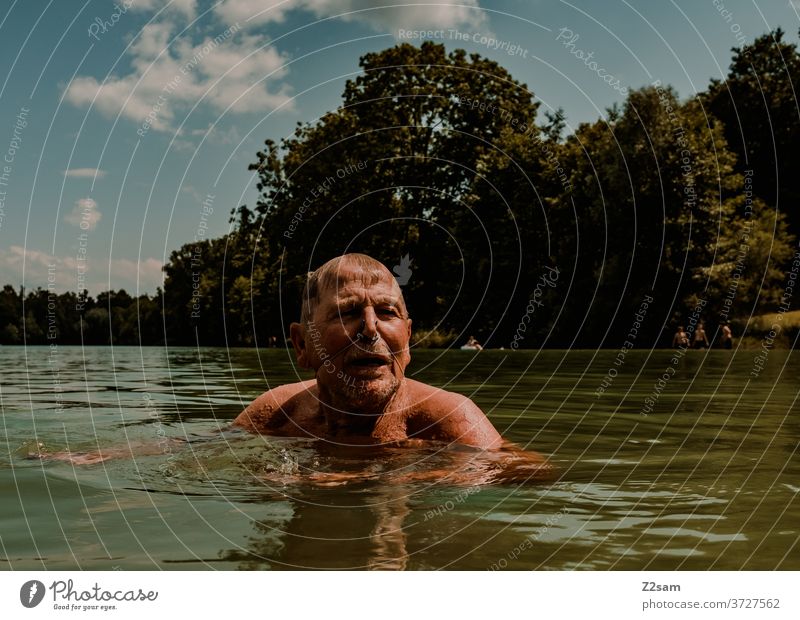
<point x="680" y="339"/>
<point x="700" y="338"/>
<point x="727" y="336"/>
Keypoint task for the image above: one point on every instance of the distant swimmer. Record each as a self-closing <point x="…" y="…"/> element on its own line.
<point x="700" y="338"/>
<point x="727" y="336"/>
<point x="680" y="339"/>
<point x="472" y="345"/>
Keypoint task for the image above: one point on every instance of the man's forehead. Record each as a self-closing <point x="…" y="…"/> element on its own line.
<point x="347" y="289"/>
<point x="355" y="283"/>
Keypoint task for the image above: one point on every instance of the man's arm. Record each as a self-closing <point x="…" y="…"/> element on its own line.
<point x="270" y="408"/>
<point x="455" y="418"/>
<point x="446" y="416"/>
<point x="92" y="457"/>
<point x="464" y="422"/>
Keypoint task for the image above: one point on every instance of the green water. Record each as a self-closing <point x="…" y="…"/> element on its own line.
<point x="708" y="479"/>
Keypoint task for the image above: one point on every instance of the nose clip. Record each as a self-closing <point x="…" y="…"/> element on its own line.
<point x="360" y="335"/>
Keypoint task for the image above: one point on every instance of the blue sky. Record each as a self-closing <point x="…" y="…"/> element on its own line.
<point x="121" y="119"/>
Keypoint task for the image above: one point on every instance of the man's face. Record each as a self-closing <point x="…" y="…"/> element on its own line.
<point x="358" y="373"/>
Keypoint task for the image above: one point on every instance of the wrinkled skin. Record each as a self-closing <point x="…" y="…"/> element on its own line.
<point x="357" y="343"/>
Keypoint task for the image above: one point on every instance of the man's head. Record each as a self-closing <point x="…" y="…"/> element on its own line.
<point x="354" y="332"/>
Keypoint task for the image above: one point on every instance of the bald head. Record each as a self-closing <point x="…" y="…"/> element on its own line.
<point x="327" y="278"/>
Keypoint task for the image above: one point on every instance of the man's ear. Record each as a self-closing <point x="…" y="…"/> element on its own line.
<point x="298" y="336"/>
<point x="407" y="352"/>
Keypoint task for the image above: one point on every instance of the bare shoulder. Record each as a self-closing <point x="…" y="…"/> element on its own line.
<point x="447" y="416"/>
<point x="274" y="406"/>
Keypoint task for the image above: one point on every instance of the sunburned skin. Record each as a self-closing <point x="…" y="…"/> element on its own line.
<point x="355" y="334"/>
<point x="356" y="339"/>
<point x="417" y="411"/>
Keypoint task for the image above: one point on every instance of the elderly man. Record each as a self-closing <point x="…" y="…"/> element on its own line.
<point x="354" y="333"/>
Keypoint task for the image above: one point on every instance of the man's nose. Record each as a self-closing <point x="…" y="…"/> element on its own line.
<point x="369" y="325"/>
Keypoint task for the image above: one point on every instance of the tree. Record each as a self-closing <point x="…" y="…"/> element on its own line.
<point x="658" y="180"/>
<point x="747" y="275"/>
<point x="758" y="104"/>
<point x="10" y="313"/>
<point x="418" y="161"/>
<point x="434" y="164"/>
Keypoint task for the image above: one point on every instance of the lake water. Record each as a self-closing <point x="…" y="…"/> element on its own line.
<point x="704" y="475"/>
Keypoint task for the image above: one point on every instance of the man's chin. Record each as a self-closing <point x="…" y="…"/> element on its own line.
<point x="367" y="394"/>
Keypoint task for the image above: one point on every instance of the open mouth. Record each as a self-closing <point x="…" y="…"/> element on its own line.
<point x="371" y="361"/>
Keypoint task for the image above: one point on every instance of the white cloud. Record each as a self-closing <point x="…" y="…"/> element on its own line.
<point x="226" y="69"/>
<point x="219" y="136"/>
<point x="85" y="173"/>
<point x="168" y="76"/>
<point x="84" y="214"/>
<point x="214" y="136"/>
<point x="63" y="271"/>
<point x="186" y="7"/>
<point x="257" y="11"/>
<point x="15" y="255"/>
<point x="147" y="271"/>
<point x="459" y="13"/>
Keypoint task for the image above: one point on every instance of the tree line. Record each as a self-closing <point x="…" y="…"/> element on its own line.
<point x="445" y="168"/>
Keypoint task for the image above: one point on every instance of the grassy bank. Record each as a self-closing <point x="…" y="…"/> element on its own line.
<point x="782" y="328"/>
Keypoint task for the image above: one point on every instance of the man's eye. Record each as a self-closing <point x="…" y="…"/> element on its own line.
<point x="387" y="312"/>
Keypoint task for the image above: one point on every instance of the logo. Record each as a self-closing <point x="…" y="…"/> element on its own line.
<point x="402" y="272"/>
<point x="31" y="593"/>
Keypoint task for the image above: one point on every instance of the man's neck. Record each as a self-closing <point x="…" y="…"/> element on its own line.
<point x="344" y="417"/>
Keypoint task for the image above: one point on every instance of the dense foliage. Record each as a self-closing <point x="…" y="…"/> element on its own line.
<point x="441" y="166"/>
